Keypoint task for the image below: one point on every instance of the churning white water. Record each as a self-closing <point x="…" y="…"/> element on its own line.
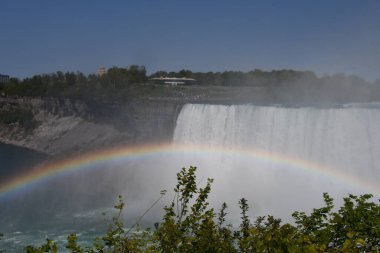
<point x="345" y="141"/>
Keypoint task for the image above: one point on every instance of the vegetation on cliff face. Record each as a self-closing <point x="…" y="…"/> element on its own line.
<point x="189" y="224"/>
<point x="119" y="84"/>
<point x="21" y="116"/>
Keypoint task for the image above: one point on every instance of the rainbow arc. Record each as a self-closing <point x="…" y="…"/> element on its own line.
<point x="89" y="160"/>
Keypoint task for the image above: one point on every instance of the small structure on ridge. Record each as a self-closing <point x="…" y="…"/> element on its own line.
<point x="4" y="79"/>
<point x="102" y="71"/>
<point x="173" y="81"/>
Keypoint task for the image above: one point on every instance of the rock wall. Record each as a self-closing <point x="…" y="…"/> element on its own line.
<point x="68" y="127"/>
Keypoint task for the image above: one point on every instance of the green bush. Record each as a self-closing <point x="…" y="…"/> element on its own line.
<point x="191" y="225"/>
<point x="24" y="117"/>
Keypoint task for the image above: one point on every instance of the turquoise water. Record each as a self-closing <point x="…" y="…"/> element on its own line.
<point x="53" y="209"/>
<point x="14" y="160"/>
<point x="15" y="242"/>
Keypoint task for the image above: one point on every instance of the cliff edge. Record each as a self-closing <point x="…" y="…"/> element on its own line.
<point x="69" y="127"/>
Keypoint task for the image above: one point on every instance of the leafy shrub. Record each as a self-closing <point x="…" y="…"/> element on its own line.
<point x="24" y="117"/>
<point x="190" y="225"/>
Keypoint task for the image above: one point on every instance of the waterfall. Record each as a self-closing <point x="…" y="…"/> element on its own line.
<point x="345" y="142"/>
<point x="280" y="159"/>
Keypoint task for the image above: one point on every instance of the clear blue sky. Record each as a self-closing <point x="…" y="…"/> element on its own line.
<point x="325" y="36"/>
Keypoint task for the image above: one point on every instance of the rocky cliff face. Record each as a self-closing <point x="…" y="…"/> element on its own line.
<point x="67" y="127"/>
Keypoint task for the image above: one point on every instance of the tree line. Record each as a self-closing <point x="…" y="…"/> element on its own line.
<point x="283" y="86"/>
<point x="76" y="85"/>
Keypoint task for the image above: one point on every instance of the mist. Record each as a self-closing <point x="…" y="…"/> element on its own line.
<point x="335" y="144"/>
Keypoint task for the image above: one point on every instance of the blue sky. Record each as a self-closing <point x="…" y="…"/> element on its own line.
<point x="325" y="36"/>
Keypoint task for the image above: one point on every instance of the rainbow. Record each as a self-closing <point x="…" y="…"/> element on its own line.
<point x="90" y="160"/>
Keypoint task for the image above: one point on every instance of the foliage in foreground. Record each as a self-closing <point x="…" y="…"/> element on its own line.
<point x="191" y="225"/>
